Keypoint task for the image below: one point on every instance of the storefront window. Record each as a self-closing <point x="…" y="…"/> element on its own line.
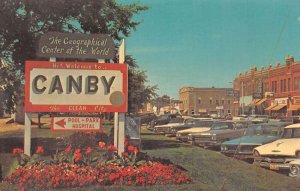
<point x="297" y="83"/>
<point x="274" y="86"/>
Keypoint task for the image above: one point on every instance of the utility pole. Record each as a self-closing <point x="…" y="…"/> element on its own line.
<point x="242" y="98"/>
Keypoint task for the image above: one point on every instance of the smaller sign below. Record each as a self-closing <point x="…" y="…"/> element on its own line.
<point x="76" y="124"/>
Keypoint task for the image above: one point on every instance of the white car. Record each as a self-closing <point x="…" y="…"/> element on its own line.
<point x="172" y="123"/>
<point x="278" y="154"/>
<point x="199" y="127"/>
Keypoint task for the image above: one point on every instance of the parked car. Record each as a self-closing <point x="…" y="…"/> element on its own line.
<point x="295" y="168"/>
<point x="173" y="122"/>
<point x="258" y="118"/>
<point x="164" y="119"/>
<point x="146" y="118"/>
<point x="254" y="136"/>
<point x="170" y="127"/>
<point x="220" y="131"/>
<point x="201" y="125"/>
<point x="278" y="154"/>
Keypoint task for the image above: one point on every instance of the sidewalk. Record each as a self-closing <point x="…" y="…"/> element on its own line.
<point x="4" y="127"/>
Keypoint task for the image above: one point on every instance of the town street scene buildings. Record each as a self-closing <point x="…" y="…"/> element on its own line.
<point x="150" y="95"/>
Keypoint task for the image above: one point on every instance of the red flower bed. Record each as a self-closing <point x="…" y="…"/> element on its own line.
<point x="48" y="176"/>
<point x="142" y="175"/>
<point x="78" y="167"/>
<point x="64" y="175"/>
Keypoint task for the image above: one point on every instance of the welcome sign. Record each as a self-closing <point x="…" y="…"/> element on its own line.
<point x="75" y="87"/>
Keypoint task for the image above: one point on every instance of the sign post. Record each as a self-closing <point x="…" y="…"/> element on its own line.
<point x="119" y="126"/>
<point x="27" y="134"/>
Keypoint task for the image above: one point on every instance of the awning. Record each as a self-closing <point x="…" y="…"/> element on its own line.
<point x="270" y="107"/>
<point x="294" y="107"/>
<point x="253" y="102"/>
<point x="261" y="101"/>
<point x="278" y="107"/>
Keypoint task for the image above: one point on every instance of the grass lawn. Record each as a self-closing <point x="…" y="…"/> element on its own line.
<point x="208" y="169"/>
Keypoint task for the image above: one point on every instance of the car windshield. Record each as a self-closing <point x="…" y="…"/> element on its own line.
<point x="163" y="117"/>
<point x="189" y="120"/>
<point x="201" y="123"/>
<point x="263" y="130"/>
<point x="176" y="120"/>
<point x="257" y="116"/>
<point x="291" y="133"/>
<point x="220" y="126"/>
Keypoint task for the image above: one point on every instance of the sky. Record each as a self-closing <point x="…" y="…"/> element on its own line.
<point x="205" y="43"/>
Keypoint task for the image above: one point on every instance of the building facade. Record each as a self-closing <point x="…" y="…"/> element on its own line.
<point x="218" y="101"/>
<point x="271" y="90"/>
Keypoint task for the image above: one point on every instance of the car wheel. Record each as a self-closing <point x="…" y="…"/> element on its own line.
<point x="298" y="154"/>
<point x="294" y="170"/>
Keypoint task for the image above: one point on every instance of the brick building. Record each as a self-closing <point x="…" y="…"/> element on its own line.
<point x="219" y="101"/>
<point x="271" y="90"/>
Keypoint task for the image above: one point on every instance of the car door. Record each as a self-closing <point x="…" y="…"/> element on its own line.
<point x="238" y="130"/>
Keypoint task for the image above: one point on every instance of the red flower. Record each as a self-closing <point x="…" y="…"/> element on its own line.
<point x="136" y="150"/>
<point x="88" y="150"/>
<point x="101" y="144"/>
<point x="39" y="150"/>
<point x="77" y="157"/>
<point x="111" y="148"/>
<point x="112" y="176"/>
<point x="17" y="151"/>
<point x="77" y="151"/>
<point x="131" y="148"/>
<point x="68" y="149"/>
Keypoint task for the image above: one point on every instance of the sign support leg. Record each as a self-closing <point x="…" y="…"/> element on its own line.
<point x="121" y="133"/>
<point x="27" y="134"/>
<point x="116" y="129"/>
<point x="120" y="117"/>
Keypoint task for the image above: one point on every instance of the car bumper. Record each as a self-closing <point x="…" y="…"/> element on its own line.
<point x="182" y="138"/>
<point x="168" y="134"/>
<point x="238" y="154"/>
<point x="206" y="143"/>
<point x="272" y="166"/>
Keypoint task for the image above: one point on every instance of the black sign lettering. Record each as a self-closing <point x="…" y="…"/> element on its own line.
<point x="35" y="89"/>
<point x="56" y="85"/>
<point x="91" y="85"/>
<point x="76" y="84"/>
<point x="106" y="84"/>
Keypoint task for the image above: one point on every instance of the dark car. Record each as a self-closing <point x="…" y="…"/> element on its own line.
<point x="163" y="119"/>
<point x="254" y="136"/>
<point x="146" y="118"/>
<point x="220" y="131"/>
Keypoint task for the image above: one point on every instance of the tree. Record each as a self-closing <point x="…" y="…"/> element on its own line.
<point x="138" y="92"/>
<point x="162" y="101"/>
<point x="24" y="21"/>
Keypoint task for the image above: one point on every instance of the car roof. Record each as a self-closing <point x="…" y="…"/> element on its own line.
<point x="279" y="123"/>
<point x="296" y="125"/>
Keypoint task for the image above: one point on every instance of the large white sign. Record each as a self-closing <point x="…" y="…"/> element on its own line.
<point x="75" y="87"/>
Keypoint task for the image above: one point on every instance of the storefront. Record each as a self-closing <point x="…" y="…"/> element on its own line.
<point x="294" y="106"/>
<point x="278" y="107"/>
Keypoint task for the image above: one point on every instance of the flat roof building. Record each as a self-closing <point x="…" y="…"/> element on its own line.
<point x="218" y="101"/>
